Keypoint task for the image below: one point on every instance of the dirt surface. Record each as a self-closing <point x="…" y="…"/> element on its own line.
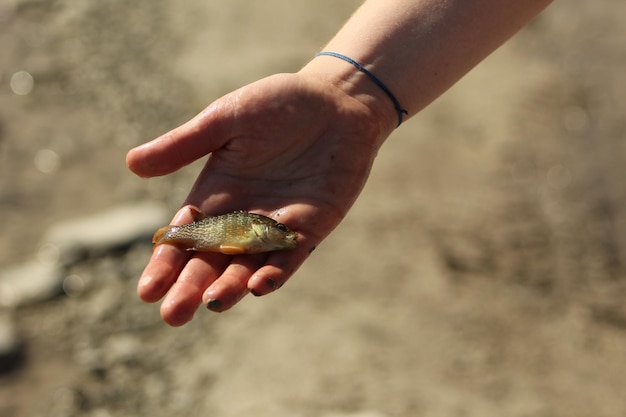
<point x="482" y="272"/>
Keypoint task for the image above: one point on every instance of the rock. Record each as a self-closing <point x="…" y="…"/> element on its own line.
<point x="123" y="348"/>
<point x="114" y="228"/>
<point x="11" y="345"/>
<point x="67" y="401"/>
<point x="44" y="278"/>
<point x="30" y="282"/>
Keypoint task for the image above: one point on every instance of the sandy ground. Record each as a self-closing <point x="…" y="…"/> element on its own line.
<point x="482" y="272"/>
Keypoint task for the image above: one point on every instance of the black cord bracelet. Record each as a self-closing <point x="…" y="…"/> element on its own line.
<point x="401" y="112"/>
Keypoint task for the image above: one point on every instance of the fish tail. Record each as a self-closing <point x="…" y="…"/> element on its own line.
<point x="160" y="234"/>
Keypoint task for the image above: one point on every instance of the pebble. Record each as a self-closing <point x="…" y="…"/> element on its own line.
<point x="66" y="401"/>
<point x="122" y="348"/>
<point x="11" y="345"/>
<point x="29" y="283"/>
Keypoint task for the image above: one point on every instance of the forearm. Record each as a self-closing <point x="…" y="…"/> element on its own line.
<point x="418" y="48"/>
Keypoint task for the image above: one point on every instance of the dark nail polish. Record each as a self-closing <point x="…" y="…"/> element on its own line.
<point x="271" y="283"/>
<point x="214" y="304"/>
<point x="255" y="293"/>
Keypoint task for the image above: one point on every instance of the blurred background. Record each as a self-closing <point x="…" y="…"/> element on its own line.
<point x="481" y="273"/>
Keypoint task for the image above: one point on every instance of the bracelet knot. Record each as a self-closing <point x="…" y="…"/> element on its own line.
<point x="396" y="104"/>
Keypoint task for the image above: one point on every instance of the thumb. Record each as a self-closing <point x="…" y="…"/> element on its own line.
<point x="203" y="134"/>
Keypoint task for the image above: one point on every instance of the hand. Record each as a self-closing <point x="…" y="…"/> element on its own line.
<point x="293" y="147"/>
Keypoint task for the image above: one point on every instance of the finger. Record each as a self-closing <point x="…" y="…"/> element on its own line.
<point x="166" y="263"/>
<point x="203" y="134"/>
<point x="161" y="272"/>
<point x="185" y="296"/>
<point x="232" y="286"/>
<point x="280" y="266"/>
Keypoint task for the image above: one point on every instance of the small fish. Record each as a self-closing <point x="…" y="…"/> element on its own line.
<point x="232" y="234"/>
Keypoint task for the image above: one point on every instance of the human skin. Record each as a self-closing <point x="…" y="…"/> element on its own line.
<point x="299" y="147"/>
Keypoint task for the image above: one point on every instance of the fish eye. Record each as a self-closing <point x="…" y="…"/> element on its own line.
<point x="281" y="227"/>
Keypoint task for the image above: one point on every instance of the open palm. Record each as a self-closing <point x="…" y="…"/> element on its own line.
<point x="294" y="148"/>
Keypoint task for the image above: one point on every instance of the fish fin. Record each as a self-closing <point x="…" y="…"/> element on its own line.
<point x="232" y="250"/>
<point x="158" y="235"/>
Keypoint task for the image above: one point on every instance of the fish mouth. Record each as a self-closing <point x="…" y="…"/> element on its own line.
<point x="287" y="242"/>
<point x="291" y="241"/>
<point x="273" y="242"/>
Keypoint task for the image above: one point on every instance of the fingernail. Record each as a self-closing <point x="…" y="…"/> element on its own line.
<point x="214" y="304"/>
<point x="271" y="283"/>
<point x="255" y="293"/>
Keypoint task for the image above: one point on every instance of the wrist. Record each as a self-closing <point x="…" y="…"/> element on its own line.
<point x="396" y="104"/>
<point x="358" y="85"/>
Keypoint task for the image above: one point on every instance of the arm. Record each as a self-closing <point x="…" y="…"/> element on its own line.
<point x="299" y="147"/>
<point x="419" y="48"/>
